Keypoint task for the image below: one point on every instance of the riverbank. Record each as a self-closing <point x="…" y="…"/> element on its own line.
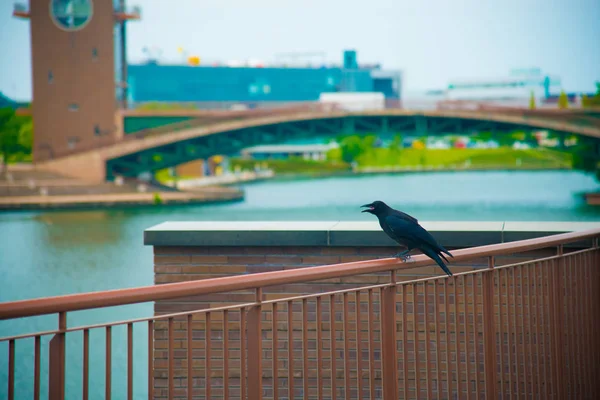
<point x="28" y="189"/>
<point x="155" y="199"/>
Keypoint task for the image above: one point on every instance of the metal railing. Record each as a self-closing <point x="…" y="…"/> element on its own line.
<point x="521" y="330"/>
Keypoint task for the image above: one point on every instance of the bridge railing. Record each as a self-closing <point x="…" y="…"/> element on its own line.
<point x="510" y="330"/>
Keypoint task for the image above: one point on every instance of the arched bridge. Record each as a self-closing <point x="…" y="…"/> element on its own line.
<point x="165" y="149"/>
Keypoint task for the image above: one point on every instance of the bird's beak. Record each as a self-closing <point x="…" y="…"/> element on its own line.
<point x="368" y="209"/>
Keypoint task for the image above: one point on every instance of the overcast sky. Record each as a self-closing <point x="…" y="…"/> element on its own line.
<point x="432" y="41"/>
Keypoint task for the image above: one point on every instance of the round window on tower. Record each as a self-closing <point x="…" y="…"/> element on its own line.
<point x="71" y="15"/>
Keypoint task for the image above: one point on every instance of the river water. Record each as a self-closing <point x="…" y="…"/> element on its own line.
<point x="61" y="252"/>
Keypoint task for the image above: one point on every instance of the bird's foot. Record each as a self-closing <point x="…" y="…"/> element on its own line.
<point x="404" y="257"/>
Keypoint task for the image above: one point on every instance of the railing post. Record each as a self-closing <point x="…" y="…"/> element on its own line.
<point x="255" y="348"/>
<point x="389" y="361"/>
<point x="489" y="331"/>
<point x="56" y="376"/>
<point x="558" y="304"/>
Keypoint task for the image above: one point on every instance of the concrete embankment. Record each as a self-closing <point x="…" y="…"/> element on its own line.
<point x="30" y="190"/>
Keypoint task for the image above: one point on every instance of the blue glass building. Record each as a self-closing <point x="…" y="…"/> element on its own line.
<point x="182" y="83"/>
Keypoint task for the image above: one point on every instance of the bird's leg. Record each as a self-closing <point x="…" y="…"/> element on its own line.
<point x="404" y="256"/>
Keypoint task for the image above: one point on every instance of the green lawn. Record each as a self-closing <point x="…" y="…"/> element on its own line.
<point x="504" y="157"/>
<point x="501" y="157"/>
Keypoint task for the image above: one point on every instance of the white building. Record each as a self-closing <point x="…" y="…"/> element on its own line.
<point x="517" y="87"/>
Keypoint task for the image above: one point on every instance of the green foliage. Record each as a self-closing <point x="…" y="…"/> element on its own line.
<point x="157" y="199"/>
<point x="594" y="101"/>
<point x="563" y="100"/>
<point x="353" y="146"/>
<point x="155" y="105"/>
<point x="532" y="101"/>
<point x="14" y="141"/>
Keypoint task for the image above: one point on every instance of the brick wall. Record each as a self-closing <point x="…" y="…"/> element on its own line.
<point x="177" y="264"/>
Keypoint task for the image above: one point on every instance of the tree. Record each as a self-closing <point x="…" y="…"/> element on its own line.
<point x="351" y="147"/>
<point x="9" y="135"/>
<point x="585" y="101"/>
<point x="563" y="100"/>
<point x="532" y="101"/>
<point x="26" y="136"/>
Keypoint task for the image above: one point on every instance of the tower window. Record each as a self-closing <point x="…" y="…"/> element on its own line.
<point x="73" y="107"/>
<point x="72" y="142"/>
<point x="94" y="54"/>
<point x="50" y="77"/>
<point x="97" y="130"/>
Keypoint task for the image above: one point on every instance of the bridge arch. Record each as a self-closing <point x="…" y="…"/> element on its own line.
<point x="134" y="155"/>
<point x="167" y="150"/>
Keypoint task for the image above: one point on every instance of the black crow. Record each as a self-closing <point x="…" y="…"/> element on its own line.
<point x="406" y="230"/>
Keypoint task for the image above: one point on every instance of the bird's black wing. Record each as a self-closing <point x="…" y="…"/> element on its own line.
<point x="405" y="216"/>
<point x="408" y="230"/>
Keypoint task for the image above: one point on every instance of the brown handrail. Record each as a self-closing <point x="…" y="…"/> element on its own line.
<point x="56" y="304"/>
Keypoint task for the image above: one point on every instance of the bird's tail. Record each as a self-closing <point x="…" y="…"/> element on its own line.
<point x="435" y="257"/>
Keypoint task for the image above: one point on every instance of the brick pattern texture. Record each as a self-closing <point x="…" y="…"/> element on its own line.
<point x="456" y="306"/>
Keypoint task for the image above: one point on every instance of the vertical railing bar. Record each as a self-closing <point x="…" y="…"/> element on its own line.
<point x="275" y="359"/>
<point x="456" y="338"/>
<point x="428" y="388"/>
<point x="86" y="366"/>
<point x="586" y="345"/>
<point x="319" y="353"/>
<point x="548" y="359"/>
<point x="108" y="387"/>
<point x="332" y="346"/>
<point x="530" y="331"/>
<point x="559" y="299"/>
<point x="190" y="361"/>
<point x="57" y="359"/>
<point x="255" y="348"/>
<point x="446" y="338"/>
<point x="571" y="326"/>
<point x="225" y="354"/>
<point x="587" y="328"/>
<point x="305" y="347"/>
<point x="130" y="361"/>
<point x="522" y="318"/>
<point x="371" y="347"/>
<point x="537" y="318"/>
<point x="11" y="369"/>
<point x="511" y="389"/>
<point x="389" y="347"/>
<point x="36" y="368"/>
<point x="591" y="318"/>
<point x="207" y="348"/>
<point x="516" y="327"/>
<point x="416" y="340"/>
<point x="404" y="341"/>
<point x="580" y="327"/>
<point x="290" y="344"/>
<point x="500" y="331"/>
<point x="476" y="334"/>
<point x="243" y="355"/>
<point x="489" y="330"/>
<point x="437" y="338"/>
<point x="346" y="345"/>
<point x="150" y="359"/>
<point x="595" y="276"/>
<point x="171" y="336"/>
<point x="466" y="327"/>
<point x="541" y="309"/>
<point x="359" y="360"/>
<point x="574" y="326"/>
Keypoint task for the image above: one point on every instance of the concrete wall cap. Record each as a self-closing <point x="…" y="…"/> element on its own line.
<point x="344" y="233"/>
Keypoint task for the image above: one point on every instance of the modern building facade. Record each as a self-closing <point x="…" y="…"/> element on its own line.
<point x="153" y="82"/>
